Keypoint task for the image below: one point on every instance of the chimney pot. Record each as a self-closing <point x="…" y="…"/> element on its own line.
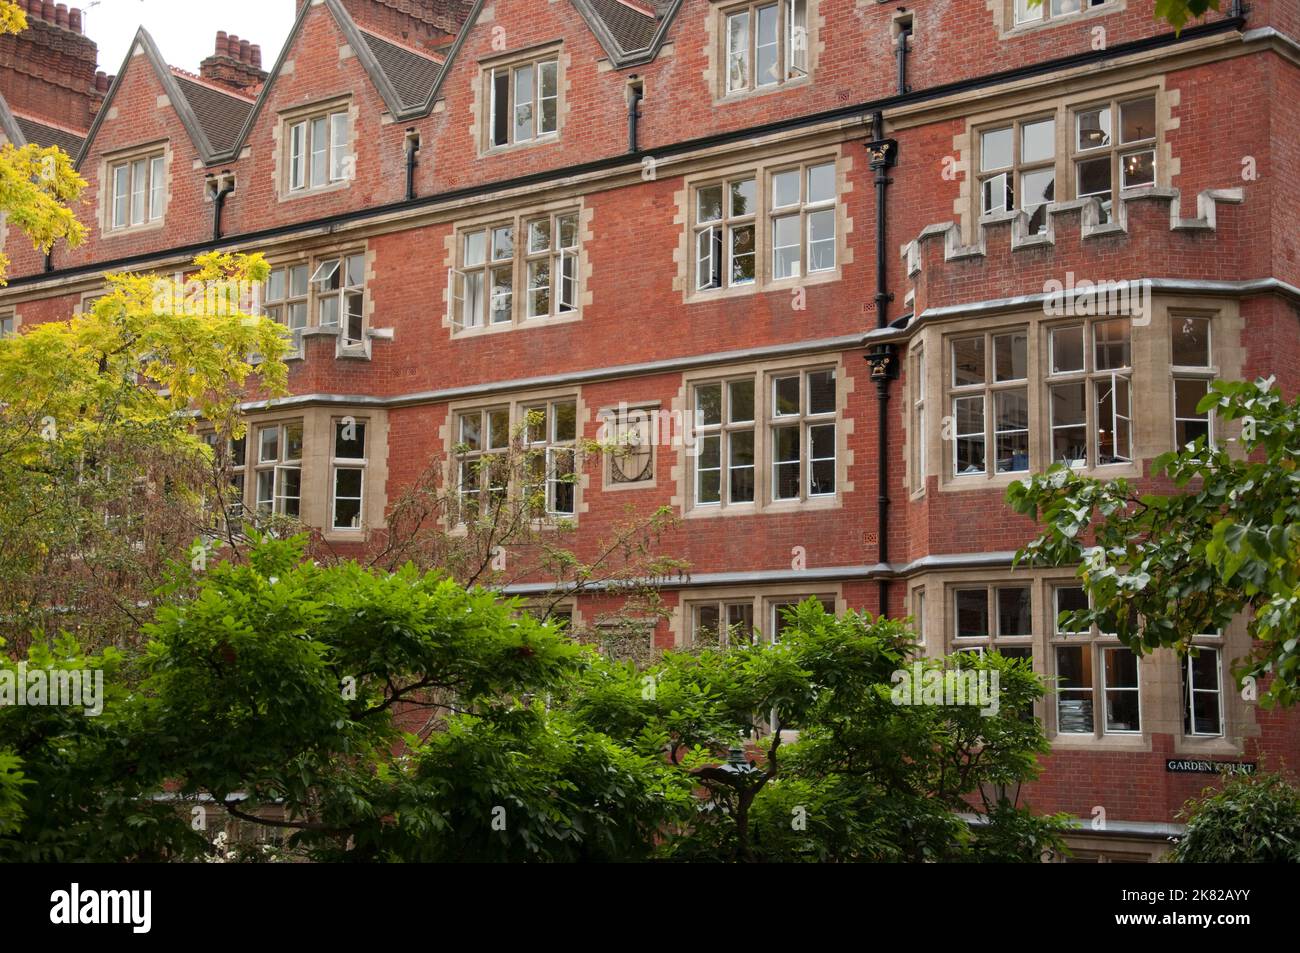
<point x="256" y="56"/>
<point x="244" y="47"/>
<point x="220" y="49"/>
<point x="47" y="11"/>
<point x="232" y="46"/>
<point x="74" y="20"/>
<point x="61" y="15"/>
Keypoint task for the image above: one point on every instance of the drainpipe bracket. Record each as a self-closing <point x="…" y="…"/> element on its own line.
<point x="883" y="152"/>
<point x="883" y="361"/>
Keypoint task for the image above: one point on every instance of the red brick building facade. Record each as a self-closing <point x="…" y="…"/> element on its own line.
<point x="825" y="234"/>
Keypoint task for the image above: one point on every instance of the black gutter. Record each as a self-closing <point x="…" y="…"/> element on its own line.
<point x="621" y="161"/>
<point x="882" y="358"/>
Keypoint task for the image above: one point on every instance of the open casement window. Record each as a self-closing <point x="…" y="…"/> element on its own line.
<point x="551" y="265"/>
<point x="803" y="220"/>
<point x="631" y="452"/>
<point x="139" y="194"/>
<point x="1090" y="393"/>
<point x="1099" y="681"/>
<point x="1051" y="9"/>
<point x="279" y="469"/>
<point x="720" y="623"/>
<point x="1202" y="678"/>
<point x="318" y="150"/>
<point x="725" y="222"/>
<point x="492" y="260"/>
<point x="285" y="299"/>
<point x="802" y="430"/>
<point x="482" y="439"/>
<point x="550" y="435"/>
<point x="339" y="285"/>
<point x="348" y="474"/>
<point x="765" y="44"/>
<point x="1017" y="169"/>
<point x="524" y="101"/>
<point x="1107" y="160"/>
<point x="989" y="396"/>
<point x="724" y="442"/>
<point x="1193" y="372"/>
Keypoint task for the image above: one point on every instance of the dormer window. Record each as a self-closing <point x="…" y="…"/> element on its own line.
<point x="138" y="191"/>
<point x="1051" y="9"/>
<point x="766" y="44"/>
<point x="524" y="101"/>
<point x="319" y="153"/>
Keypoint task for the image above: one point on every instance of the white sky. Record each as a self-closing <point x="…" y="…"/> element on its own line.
<point x="184" y="30"/>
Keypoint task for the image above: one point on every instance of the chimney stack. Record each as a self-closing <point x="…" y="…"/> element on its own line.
<point x="235" y="64"/>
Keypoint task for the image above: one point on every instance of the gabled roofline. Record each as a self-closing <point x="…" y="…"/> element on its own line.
<point x="452" y="60"/>
<point x="618" y="56"/>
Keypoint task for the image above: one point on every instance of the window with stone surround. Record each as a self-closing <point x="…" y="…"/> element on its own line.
<point x="1202" y="688"/>
<point x="755" y="228"/>
<point x="993" y="618"/>
<point x="1098" y="680"/>
<point x="520" y="269"/>
<point x="278" y="468"/>
<point x="764" y="45"/>
<point x="539" y="436"/>
<point x="523" y="101"/>
<point x="743" y="618"/>
<point x="989" y="401"/>
<point x="1029" y="11"/>
<point x="137" y="191"/>
<point x="327" y="291"/>
<point x="318" y="150"/>
<point x="1085" y="147"/>
<point x="762" y="439"/>
<point x="1090" y="392"/>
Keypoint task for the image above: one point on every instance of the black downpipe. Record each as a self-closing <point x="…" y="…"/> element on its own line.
<point x="633" y="114"/>
<point x="882" y="357"/>
<point x="412" y="151"/>
<point x="904" y="37"/>
<point x="218" y="205"/>
<point x="49" y="261"/>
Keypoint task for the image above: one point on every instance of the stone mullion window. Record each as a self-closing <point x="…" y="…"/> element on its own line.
<point x="920" y="432"/>
<point x="764" y="45"/>
<point x="726" y="239"/>
<point x="1090" y="392"/>
<point x="802" y="435"/>
<point x="1107" y="160"/>
<point x="523" y="101"/>
<point x="522" y="269"/>
<point x="1017" y="168"/>
<point x="318" y="150"/>
<point x="1099" y="680"/>
<point x="1052" y="9"/>
<point x="725" y="437"/>
<point x="722" y="622"/>
<point x="989" y="401"/>
<point x="550" y="434"/>
<point x="138" y="191"/>
<point x="278" y="469"/>
<point x="993" y="617"/>
<point x="802" y="212"/>
<point x="285" y="299"/>
<point x="482" y="440"/>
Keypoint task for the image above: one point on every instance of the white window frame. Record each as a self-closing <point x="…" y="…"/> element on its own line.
<point x="537" y="70"/>
<point x="317" y="149"/>
<point x="340" y="464"/>
<point x="740" y="47"/>
<point x="1188" y="692"/>
<point x="138" y="191"/>
<point x="278" y="468"/>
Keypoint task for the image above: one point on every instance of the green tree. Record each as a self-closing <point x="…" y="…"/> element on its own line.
<point x="1162" y="568"/>
<point x="104" y="475"/>
<point x="1250" y="820"/>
